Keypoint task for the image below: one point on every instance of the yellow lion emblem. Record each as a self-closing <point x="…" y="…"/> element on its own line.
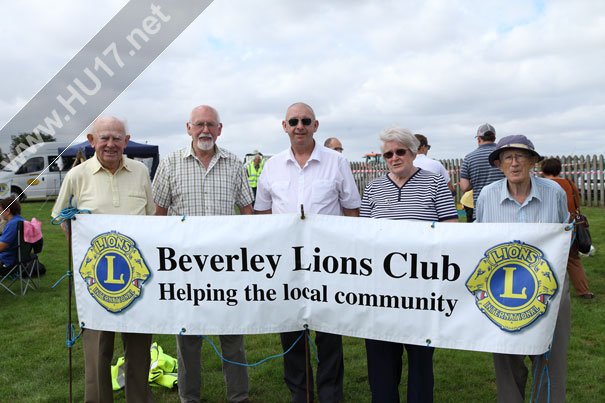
<point x="114" y="271"/>
<point x="512" y="285"/>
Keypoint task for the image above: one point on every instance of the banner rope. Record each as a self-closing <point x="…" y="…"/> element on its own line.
<point x="313" y="346"/>
<point x="71" y="329"/>
<point x="571" y="227"/>
<point x="65" y="217"/>
<point x="255" y="364"/>
<point x="543" y="372"/>
<point x="68" y="213"/>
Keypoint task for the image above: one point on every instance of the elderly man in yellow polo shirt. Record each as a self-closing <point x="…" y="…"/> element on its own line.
<point x="110" y="183"/>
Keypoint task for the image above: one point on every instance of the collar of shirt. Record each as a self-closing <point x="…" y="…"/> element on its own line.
<point x="533" y="192"/>
<point x="95" y="166"/>
<point x="315" y="155"/>
<point x="218" y="153"/>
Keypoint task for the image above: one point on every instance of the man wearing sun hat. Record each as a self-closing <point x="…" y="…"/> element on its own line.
<point x="476" y="172"/>
<point x="522" y="197"/>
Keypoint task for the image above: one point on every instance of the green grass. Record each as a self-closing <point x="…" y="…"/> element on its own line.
<point x="35" y="363"/>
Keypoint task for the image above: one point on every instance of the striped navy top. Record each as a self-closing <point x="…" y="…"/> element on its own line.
<point x="424" y="197"/>
<point x="476" y="168"/>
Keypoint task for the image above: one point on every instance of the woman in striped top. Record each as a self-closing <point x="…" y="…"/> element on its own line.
<point x="405" y="193"/>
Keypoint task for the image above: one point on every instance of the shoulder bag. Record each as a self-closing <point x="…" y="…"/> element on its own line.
<point x="583" y="239"/>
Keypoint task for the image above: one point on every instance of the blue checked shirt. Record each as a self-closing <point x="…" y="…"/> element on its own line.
<point x="546" y="203"/>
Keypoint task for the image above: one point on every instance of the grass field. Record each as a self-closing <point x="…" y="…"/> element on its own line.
<point x="35" y="364"/>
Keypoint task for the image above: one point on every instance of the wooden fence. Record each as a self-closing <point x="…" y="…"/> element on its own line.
<point x="586" y="171"/>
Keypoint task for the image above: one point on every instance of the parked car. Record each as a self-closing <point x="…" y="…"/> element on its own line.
<point x="34" y="174"/>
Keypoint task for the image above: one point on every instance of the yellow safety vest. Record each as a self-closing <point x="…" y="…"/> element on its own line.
<point x="253" y="172"/>
<point x="162" y="370"/>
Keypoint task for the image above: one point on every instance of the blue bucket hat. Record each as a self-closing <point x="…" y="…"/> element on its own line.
<point x="516" y="141"/>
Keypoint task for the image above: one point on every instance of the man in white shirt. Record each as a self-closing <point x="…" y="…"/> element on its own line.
<point x="321" y="181"/>
<point x="429" y="164"/>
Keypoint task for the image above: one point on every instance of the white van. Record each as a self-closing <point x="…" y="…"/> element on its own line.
<point x="25" y="170"/>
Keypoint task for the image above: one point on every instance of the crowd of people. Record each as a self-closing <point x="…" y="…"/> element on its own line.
<point x="205" y="179"/>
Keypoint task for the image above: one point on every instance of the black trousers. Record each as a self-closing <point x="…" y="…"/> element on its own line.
<point x="469" y="214"/>
<point x="330" y="369"/>
<point x="384" y="371"/>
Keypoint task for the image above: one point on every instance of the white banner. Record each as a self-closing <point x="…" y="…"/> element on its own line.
<point x="483" y="287"/>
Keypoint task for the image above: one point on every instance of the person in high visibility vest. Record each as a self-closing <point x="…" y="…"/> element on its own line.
<point x="253" y="170"/>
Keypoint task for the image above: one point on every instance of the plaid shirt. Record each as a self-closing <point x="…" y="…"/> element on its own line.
<point x="185" y="187"/>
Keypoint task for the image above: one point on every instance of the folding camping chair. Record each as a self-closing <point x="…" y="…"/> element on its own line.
<point x="26" y="269"/>
<point x="8" y="278"/>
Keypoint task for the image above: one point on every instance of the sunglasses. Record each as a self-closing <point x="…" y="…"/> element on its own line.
<point x="400" y="152"/>
<point x="305" y="121"/>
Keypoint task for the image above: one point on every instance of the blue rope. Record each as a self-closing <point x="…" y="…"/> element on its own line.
<point x="68" y="213"/>
<point x="546" y="357"/>
<point x="573" y="228"/>
<point x="271" y="357"/>
<point x="533" y="384"/>
<point x="313" y="346"/>
<point x="71" y="330"/>
<point x="67" y="274"/>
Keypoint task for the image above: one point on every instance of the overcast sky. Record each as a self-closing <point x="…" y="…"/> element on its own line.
<point x="440" y="68"/>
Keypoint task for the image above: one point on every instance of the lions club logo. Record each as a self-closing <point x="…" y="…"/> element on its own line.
<point x="513" y="284"/>
<point x="114" y="271"/>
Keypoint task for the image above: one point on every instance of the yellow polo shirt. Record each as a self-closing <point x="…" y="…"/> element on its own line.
<point x="127" y="192"/>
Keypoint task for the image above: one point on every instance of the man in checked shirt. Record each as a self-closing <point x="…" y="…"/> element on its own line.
<point x="204" y="179"/>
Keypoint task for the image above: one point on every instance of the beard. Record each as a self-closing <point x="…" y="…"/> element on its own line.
<point x="205" y="143"/>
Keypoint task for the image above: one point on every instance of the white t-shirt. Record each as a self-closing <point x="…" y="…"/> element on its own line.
<point x="325" y="185"/>
<point x="431" y="165"/>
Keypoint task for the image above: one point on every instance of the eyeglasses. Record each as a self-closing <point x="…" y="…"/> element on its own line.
<point x="400" y="152"/>
<point x="201" y="125"/>
<point x="339" y="149"/>
<point x="519" y="157"/>
<point x="115" y="138"/>
<point x="294" y="122"/>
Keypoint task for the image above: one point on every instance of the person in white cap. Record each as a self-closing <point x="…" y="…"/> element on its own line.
<point x="476" y="171"/>
<point x="522" y="197"/>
